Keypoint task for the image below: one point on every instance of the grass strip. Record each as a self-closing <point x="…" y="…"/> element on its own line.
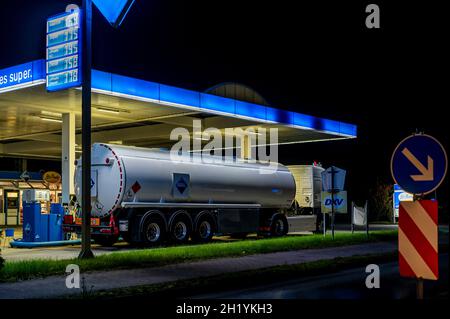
<point x="27" y="269"/>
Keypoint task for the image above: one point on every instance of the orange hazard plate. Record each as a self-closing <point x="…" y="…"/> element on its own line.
<point x="95" y="221"/>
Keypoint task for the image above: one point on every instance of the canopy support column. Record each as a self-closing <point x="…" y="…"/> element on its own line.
<point x="68" y="156"/>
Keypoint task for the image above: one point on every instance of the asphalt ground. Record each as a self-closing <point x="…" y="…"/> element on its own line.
<point x="345" y="284"/>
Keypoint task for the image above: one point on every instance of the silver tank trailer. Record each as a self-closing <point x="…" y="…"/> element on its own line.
<point x="132" y="174"/>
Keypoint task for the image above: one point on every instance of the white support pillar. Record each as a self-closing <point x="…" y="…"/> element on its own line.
<point x="68" y="156"/>
<point x="246" y="147"/>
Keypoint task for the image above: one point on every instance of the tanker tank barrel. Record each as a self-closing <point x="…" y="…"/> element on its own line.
<point x="131" y="174"/>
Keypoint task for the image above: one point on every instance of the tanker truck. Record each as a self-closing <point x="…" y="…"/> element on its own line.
<point x="146" y="197"/>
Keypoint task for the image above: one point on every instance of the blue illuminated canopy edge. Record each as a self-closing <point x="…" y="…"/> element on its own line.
<point x="114" y="84"/>
<point x="34" y="71"/>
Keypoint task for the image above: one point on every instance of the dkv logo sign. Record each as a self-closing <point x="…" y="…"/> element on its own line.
<point x="336" y="202"/>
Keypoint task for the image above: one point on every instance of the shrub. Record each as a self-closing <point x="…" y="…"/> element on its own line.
<point x="2" y="261"/>
<point x="380" y="203"/>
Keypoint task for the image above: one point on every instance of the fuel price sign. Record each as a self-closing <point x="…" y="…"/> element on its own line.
<point x="63" y="56"/>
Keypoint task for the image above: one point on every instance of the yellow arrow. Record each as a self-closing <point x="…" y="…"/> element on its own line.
<point x="427" y="173"/>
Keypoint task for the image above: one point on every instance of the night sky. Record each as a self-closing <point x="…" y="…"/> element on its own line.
<point x="316" y="59"/>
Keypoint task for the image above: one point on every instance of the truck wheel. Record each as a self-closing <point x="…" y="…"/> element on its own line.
<point x="180" y="229"/>
<point x="279" y="226"/>
<point x="105" y="241"/>
<point x="204" y="229"/>
<point x="154" y="231"/>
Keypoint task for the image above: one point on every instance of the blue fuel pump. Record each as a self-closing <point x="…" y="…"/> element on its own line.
<point x="31" y="222"/>
<point x="38" y="227"/>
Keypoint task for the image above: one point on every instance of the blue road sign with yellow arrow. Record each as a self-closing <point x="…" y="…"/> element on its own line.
<point x="419" y="164"/>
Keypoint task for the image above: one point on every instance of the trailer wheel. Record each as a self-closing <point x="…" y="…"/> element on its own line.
<point x="180" y="229"/>
<point x="154" y="230"/>
<point x="204" y="229"/>
<point x="279" y="226"/>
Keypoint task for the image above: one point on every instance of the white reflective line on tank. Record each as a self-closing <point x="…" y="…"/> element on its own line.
<point x="193" y="205"/>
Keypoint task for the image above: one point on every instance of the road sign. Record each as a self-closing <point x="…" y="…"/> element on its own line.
<point x="340" y="202"/>
<point x="63" y="51"/>
<point x="338" y="179"/>
<point x="419" y="164"/>
<point x="400" y="196"/>
<point x="114" y="11"/>
<point x="418" y="239"/>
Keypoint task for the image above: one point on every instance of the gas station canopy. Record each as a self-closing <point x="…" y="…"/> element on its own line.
<point x="135" y="112"/>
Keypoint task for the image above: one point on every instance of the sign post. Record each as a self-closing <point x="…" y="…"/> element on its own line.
<point x="333" y="179"/>
<point x="332" y="202"/>
<point x="419" y="290"/>
<point x="114" y="12"/>
<point x="69" y="64"/>
<point x="324" y="224"/>
<point x="419" y="165"/>
<point x="86" y="251"/>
